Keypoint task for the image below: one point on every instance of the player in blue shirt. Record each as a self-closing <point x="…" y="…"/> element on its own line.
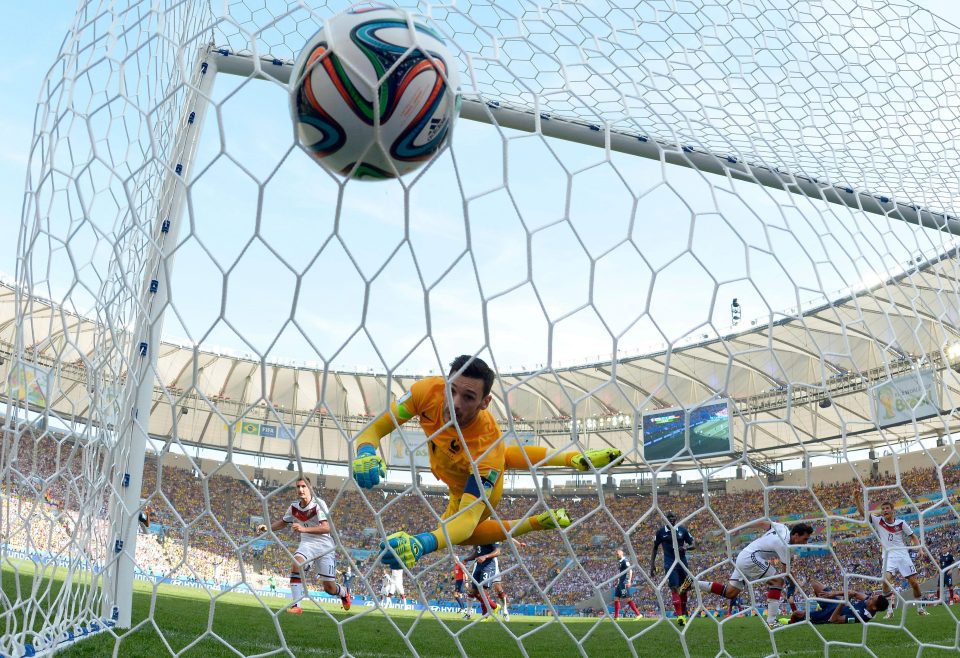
<point x="486" y="571"/>
<point x="622" y="588"/>
<point x="675" y="539"/>
<point x="947" y="565"/>
<point x="835" y="610"/>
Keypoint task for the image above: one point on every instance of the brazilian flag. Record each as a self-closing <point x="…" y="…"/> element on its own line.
<point x="250" y="428"/>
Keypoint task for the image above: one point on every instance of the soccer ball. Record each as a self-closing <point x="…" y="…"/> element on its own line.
<point x="374" y="93"/>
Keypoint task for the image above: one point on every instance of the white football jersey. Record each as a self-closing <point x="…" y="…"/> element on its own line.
<point x="893" y="536"/>
<point x="310" y="515"/>
<point x="774" y="543"/>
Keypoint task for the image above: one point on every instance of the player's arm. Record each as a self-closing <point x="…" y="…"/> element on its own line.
<point x="653" y="555"/>
<point x="839" y="615"/>
<point x="368" y="467"/>
<point x="861" y="512"/>
<point x="690" y="541"/>
<point x="276" y="525"/>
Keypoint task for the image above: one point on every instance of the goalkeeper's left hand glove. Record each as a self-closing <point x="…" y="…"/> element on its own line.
<point x="368" y="468"/>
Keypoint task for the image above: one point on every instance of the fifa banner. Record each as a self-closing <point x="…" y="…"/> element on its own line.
<point x="406" y="447"/>
<point x="29" y="383"/>
<point x="903" y="399"/>
<point x="264" y="430"/>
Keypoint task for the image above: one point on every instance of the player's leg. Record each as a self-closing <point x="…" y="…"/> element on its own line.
<point x="522" y="458"/>
<point x="633" y="606"/>
<point x="890" y="592"/>
<point x="491" y="531"/>
<point x="774" y="595"/>
<point x="675" y="578"/>
<point x="297" y="591"/>
<point x="327" y="575"/>
<point x="684" y="575"/>
<point x="616" y="605"/>
<point x="501" y="595"/>
<point x="459" y="523"/>
<point x="917" y="593"/>
<point x="729" y="590"/>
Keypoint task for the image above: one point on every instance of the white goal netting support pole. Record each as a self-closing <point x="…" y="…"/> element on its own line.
<point x="142" y="364"/>
<point x="530" y="120"/>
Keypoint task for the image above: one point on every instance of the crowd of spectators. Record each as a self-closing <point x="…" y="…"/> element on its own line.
<point x="201" y="527"/>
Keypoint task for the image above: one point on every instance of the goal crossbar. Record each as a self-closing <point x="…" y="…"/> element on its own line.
<point x="525" y="119"/>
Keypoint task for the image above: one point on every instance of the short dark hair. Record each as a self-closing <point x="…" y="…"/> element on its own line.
<point x="305" y="479"/>
<point x="801" y="529"/>
<point x="475" y="368"/>
<point x="671" y="515"/>
<point x="882" y="603"/>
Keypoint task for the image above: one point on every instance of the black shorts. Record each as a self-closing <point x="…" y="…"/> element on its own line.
<point x="458" y="586"/>
<point x="948" y="581"/>
<point x="677" y="572"/>
<point x="620" y="591"/>
<point x="485" y="574"/>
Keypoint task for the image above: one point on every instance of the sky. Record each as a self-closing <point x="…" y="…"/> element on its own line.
<point x="537" y="290"/>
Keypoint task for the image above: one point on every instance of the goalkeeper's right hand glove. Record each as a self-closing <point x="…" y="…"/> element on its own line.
<point x="368" y="468"/>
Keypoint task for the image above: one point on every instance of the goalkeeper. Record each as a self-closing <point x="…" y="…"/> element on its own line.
<point x="471" y="437"/>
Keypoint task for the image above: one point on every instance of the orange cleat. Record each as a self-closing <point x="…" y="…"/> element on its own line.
<point x="295" y="610"/>
<point x="345" y="600"/>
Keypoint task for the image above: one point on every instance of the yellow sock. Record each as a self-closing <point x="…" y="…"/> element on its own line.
<point x="536" y="456"/>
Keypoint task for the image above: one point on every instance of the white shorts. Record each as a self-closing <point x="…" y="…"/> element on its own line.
<point x="398" y="583"/>
<point x="898" y="562"/>
<point x="750" y="569"/>
<point x="319" y="557"/>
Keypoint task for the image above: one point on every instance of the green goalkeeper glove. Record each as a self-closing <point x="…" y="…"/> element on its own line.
<point x="368" y="468"/>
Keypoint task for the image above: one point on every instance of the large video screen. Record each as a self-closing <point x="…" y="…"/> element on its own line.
<point x="664" y="432"/>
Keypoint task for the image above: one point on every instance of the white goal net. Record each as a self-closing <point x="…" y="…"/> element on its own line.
<point x="715" y="236"/>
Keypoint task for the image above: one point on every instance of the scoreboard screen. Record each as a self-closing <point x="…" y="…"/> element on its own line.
<point x="666" y="432"/>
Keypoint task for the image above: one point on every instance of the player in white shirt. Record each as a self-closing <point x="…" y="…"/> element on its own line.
<point x="756" y="563"/>
<point x="896" y="539"/>
<point x="387" y="587"/>
<point x="308" y="516"/>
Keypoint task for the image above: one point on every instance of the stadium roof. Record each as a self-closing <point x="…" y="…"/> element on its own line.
<point x="778" y="376"/>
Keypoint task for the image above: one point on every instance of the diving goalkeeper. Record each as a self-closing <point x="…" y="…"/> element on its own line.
<point x="474" y="438"/>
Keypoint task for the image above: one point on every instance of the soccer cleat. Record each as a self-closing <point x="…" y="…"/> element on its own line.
<point x="401" y="549"/>
<point x="682" y="620"/>
<point x="774" y="624"/>
<point x="506" y="615"/>
<point x="922" y="611"/>
<point x="784" y="620"/>
<point x="295" y="610"/>
<point x="596" y="458"/>
<point x="889" y="614"/>
<point x="558" y="519"/>
<point x="346" y="600"/>
<point x="685" y="586"/>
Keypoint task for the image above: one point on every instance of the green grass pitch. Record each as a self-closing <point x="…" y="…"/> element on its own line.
<point x="181" y="615"/>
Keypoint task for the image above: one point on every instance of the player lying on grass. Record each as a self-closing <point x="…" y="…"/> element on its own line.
<point x="862" y="607"/>
<point x="308" y="516"/>
<point x="756" y="563"/>
<point x="468" y="455"/>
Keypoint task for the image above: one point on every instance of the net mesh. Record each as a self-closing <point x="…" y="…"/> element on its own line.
<point x="164" y="194"/>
